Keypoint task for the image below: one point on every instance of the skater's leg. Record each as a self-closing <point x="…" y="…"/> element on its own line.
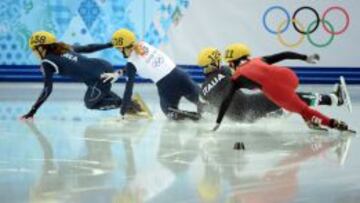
<point x="285" y="96"/>
<point x="110" y="101"/>
<point x="283" y="93"/>
<point x="98" y="96"/>
<point x="258" y="105"/>
<point x="190" y="90"/>
<point x="289" y="100"/>
<point x="168" y="106"/>
<point x="315" y="99"/>
<point x="167" y="101"/>
<point x="171" y="89"/>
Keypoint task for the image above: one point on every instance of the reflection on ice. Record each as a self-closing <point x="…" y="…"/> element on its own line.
<point x="79" y="156"/>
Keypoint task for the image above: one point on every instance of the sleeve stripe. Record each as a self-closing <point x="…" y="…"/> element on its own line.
<point x="53" y="64"/>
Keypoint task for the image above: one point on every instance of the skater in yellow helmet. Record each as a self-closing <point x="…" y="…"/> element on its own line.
<point x="276" y="82"/>
<point x="152" y="63"/>
<point x="250" y="107"/>
<point x="66" y="60"/>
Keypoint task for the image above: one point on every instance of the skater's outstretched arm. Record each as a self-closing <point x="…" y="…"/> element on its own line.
<point x="130" y="70"/>
<point x="91" y="47"/>
<point x="48" y="72"/>
<point x="225" y="105"/>
<point x="289" y="55"/>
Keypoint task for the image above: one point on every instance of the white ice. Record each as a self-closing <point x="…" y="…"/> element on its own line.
<point x="71" y="154"/>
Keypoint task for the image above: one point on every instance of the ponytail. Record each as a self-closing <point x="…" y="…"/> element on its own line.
<point x="58" y="48"/>
<point x="139" y="50"/>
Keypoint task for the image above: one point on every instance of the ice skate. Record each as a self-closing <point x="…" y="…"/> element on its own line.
<point x="138" y="109"/>
<point x="181" y="114"/>
<point x="342" y="94"/>
<point x="341" y="126"/>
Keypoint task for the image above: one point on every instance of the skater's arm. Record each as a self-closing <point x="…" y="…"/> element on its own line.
<point x="130" y="70"/>
<point x="288" y="55"/>
<point x="48" y="72"/>
<point x="226" y="103"/>
<point x="91" y="47"/>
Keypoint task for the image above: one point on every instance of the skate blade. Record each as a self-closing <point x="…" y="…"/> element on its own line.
<point x="347" y="95"/>
<point x="189" y="115"/>
<point x="350" y="131"/>
<point x="320" y="129"/>
<point x="138" y="116"/>
<point x="127" y="117"/>
<point x="317" y="128"/>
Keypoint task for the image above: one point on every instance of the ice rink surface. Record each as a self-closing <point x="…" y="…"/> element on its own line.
<point x="71" y="154"/>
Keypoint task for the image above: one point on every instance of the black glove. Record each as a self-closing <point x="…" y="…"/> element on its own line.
<point x="313" y="59"/>
<point x="110" y="44"/>
<point x="216" y="127"/>
<point x="29" y="115"/>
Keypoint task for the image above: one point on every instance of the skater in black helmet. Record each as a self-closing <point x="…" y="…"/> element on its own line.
<point x="249" y="107"/>
<point x="65" y="60"/>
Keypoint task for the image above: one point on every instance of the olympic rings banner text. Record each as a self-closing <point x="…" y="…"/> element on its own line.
<point x="327" y="27"/>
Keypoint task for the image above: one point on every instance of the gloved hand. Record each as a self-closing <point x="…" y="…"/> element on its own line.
<point x="112" y="77"/>
<point x="313" y="59"/>
<point x="110" y="44"/>
<point x="28" y="116"/>
<point x="216" y="127"/>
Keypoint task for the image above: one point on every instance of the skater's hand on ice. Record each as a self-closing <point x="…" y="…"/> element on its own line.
<point x="216" y="127"/>
<point x="112" y="77"/>
<point x="313" y="59"/>
<point x="27" y="117"/>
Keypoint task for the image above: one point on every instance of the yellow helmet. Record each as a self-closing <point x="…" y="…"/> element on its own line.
<point x="236" y="51"/>
<point x="209" y="56"/>
<point x="123" y="38"/>
<point x="41" y="38"/>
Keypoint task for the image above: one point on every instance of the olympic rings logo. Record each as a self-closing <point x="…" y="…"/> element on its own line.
<point x="306" y="31"/>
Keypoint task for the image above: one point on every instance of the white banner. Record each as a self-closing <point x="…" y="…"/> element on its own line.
<point x="327" y="27"/>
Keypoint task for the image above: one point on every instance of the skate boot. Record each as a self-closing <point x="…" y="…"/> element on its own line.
<point x="134" y="107"/>
<point x="342" y="94"/>
<point x="337" y="94"/>
<point x="339" y="125"/>
<point x="138" y="108"/>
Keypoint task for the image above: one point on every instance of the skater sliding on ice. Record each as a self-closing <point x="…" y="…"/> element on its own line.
<point x="149" y="62"/>
<point x="276" y="82"/>
<point x="65" y="60"/>
<point x="249" y="107"/>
